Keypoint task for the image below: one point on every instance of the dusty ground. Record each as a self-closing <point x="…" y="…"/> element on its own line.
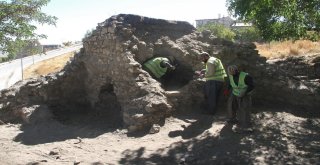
<point x="280" y="137"/>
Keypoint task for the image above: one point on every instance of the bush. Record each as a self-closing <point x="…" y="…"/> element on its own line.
<point x="313" y="36"/>
<point x="68" y="43"/>
<point x="218" y="30"/>
<point x="88" y="33"/>
<point x="248" y="34"/>
<point x="30" y="47"/>
<point x="4" y="59"/>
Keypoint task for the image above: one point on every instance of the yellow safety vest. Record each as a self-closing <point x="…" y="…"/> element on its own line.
<point x="237" y="90"/>
<point x="219" y="73"/>
<point x="154" y="66"/>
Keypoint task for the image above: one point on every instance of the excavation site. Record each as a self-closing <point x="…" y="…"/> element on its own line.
<point x="104" y="107"/>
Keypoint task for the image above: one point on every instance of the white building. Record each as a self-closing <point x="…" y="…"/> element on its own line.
<point x="226" y="21"/>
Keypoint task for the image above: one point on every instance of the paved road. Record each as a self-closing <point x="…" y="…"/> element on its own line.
<point x="10" y="72"/>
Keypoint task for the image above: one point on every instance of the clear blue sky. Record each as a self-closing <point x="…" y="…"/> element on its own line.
<point x="76" y="17"/>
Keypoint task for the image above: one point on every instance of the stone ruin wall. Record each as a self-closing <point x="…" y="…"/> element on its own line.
<point x="107" y="74"/>
<point x="293" y="82"/>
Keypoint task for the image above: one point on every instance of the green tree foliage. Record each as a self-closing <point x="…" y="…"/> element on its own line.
<point x="30" y="47"/>
<point x="88" y="33"/>
<point x="279" y="19"/>
<point x="313" y="36"/>
<point x="17" y="19"/>
<point x="218" y="30"/>
<point x="247" y="34"/>
<point x="68" y="43"/>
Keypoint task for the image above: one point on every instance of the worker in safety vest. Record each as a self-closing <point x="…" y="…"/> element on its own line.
<point x="159" y="66"/>
<point x="239" y="102"/>
<point x="214" y="75"/>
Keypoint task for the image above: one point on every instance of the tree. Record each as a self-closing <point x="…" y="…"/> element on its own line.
<point x="17" y="19"/>
<point x="30" y="47"/>
<point x="68" y="43"/>
<point x="277" y="20"/>
<point x="218" y="30"/>
<point x="247" y="34"/>
<point x="88" y="33"/>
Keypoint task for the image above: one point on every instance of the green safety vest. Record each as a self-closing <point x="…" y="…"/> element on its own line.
<point x="237" y="90"/>
<point x="154" y="66"/>
<point x="219" y="73"/>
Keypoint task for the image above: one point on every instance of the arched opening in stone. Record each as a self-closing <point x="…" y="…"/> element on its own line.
<point x="174" y="79"/>
<point x="178" y="78"/>
<point x="108" y="107"/>
<point x="106" y="115"/>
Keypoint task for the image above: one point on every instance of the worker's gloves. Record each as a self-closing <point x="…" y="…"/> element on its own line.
<point x="197" y="73"/>
<point x="200" y="74"/>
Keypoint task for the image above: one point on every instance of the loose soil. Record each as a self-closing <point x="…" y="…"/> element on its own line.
<point x="185" y="138"/>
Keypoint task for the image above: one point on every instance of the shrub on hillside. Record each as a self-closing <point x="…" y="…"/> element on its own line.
<point x="218" y="30"/>
<point x="313" y="36"/>
<point x="68" y="43"/>
<point x="247" y="34"/>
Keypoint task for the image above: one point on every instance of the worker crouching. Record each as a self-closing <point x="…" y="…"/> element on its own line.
<point x="159" y="66"/>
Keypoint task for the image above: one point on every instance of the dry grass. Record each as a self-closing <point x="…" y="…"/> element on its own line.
<point x="288" y="48"/>
<point x="47" y="66"/>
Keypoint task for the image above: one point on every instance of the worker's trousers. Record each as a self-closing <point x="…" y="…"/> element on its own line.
<point x="212" y="91"/>
<point x="240" y="108"/>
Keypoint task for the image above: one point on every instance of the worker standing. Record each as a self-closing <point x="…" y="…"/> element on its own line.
<point x="239" y="102"/>
<point x="214" y="74"/>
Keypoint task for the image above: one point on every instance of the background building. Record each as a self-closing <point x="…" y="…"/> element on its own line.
<point x="225" y="21"/>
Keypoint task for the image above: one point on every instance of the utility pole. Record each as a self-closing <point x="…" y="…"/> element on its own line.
<point x="21" y="66"/>
<point x="33" y="53"/>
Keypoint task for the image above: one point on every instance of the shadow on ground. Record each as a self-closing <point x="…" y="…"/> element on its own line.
<point x="279" y="138"/>
<point x="69" y="125"/>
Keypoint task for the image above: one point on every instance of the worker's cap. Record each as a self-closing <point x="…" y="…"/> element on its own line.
<point x="204" y="54"/>
<point x="232" y="69"/>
